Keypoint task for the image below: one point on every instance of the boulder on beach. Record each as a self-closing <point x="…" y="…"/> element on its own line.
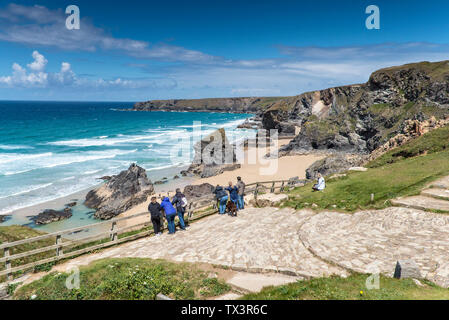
<point x="200" y="195"/>
<point x="49" y="216"/>
<point x="213" y="155"/>
<point x="122" y="192"/>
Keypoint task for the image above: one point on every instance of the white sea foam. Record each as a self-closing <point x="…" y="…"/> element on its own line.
<point x="13" y="157"/>
<point x="51" y="160"/>
<point x="27" y="190"/>
<point x="14" y="147"/>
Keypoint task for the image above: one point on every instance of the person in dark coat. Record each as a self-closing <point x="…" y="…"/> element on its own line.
<point x="180" y="207"/>
<point x="155" y="210"/>
<point x="222" y="198"/>
<point x="170" y="214"/>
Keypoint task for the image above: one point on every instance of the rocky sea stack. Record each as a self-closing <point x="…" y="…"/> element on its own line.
<point x="213" y="156"/>
<point x="120" y="193"/>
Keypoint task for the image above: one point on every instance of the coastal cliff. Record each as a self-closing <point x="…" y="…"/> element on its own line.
<point x="350" y="119"/>
<point x="361" y="118"/>
<point x="228" y="105"/>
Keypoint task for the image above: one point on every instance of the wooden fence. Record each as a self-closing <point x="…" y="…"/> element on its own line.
<point x="64" y="248"/>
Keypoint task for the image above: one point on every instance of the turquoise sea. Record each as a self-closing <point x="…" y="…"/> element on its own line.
<point x="50" y="150"/>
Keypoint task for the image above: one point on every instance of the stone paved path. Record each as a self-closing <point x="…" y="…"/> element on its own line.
<point x="306" y="244"/>
<point x="374" y="240"/>
<point x="258" y="240"/>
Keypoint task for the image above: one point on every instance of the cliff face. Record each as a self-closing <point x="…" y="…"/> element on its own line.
<point x="231" y="105"/>
<point x="352" y="119"/>
<point x="360" y="118"/>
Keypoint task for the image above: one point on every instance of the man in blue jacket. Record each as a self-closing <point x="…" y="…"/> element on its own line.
<point x="170" y="214"/>
<point x="233" y="193"/>
<point x="222" y="198"/>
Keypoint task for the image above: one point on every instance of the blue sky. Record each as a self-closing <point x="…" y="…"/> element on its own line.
<point x="139" y="50"/>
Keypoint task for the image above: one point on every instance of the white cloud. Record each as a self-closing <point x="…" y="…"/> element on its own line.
<point x="39" y="26"/>
<point x="35" y="76"/>
<point x="39" y="62"/>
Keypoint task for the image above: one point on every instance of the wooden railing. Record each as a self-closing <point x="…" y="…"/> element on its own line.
<point x="62" y="246"/>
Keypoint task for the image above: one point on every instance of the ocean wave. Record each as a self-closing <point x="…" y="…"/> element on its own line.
<point x="92" y="171"/>
<point x="51" y="160"/>
<point x="13" y="157"/>
<point x="14" y="147"/>
<point x="27" y="190"/>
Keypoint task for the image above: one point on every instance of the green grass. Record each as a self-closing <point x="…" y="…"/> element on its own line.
<point x="15" y="233"/>
<point x="400" y="172"/>
<point x="128" y="279"/>
<point x="352" y="288"/>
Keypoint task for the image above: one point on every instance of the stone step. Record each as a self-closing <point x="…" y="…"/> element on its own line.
<point x="436" y="193"/>
<point x="441" y="184"/>
<point x="422" y="203"/>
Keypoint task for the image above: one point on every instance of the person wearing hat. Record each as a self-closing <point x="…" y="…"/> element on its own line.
<point x="180" y="202"/>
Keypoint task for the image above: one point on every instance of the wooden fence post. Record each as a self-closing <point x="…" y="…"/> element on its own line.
<point x="113" y="233"/>
<point x="7" y="264"/>
<point x="59" y="250"/>
<point x="272" y="187"/>
<point x="282" y="186"/>
<point x="256" y="192"/>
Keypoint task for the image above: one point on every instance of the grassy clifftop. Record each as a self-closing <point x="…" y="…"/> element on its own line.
<point x="400" y="172"/>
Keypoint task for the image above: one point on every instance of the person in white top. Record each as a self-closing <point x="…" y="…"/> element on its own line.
<point x="321" y="183"/>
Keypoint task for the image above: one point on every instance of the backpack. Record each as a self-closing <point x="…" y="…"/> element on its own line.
<point x="184" y="202"/>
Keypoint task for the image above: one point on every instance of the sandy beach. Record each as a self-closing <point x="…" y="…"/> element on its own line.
<point x="286" y="168"/>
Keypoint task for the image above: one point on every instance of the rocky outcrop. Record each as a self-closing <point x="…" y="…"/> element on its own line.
<point x="334" y="164"/>
<point x="361" y="118"/>
<point x="410" y="130"/>
<point x="49" y="216"/>
<point x="229" y="105"/>
<point x="213" y="156"/>
<point x="193" y="192"/>
<point x="122" y="192"/>
<point x="3" y="218"/>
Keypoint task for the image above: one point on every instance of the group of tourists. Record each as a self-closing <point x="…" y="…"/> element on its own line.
<point x="231" y="198"/>
<point x="176" y="207"/>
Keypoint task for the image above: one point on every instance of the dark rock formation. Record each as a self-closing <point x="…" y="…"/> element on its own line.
<point x="71" y="204"/>
<point x="3" y="218"/>
<point x="163" y="181"/>
<point x="334" y="164"/>
<point x="49" y="216"/>
<point x="213" y="156"/>
<point x="122" y="192"/>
